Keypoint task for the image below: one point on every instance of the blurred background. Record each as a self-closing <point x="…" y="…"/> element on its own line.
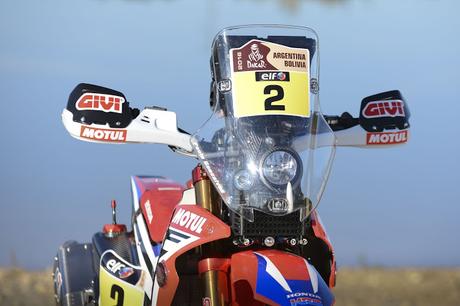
<point x="382" y="207"/>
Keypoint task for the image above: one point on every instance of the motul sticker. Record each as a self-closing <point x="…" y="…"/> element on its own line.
<point x="110" y="135"/>
<point x="387" y="138"/>
<point x="388" y="108"/>
<point x="100" y="102"/>
<point x="189" y="220"/>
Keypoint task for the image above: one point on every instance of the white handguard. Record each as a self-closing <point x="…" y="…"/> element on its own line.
<point x="99" y="114"/>
<point x="358" y="137"/>
<point x="150" y="126"/>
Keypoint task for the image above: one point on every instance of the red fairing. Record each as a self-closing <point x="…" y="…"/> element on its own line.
<point x="320" y="233"/>
<point x="190" y="227"/>
<point x="159" y="198"/>
<point x="275" y="277"/>
<point x="244" y="273"/>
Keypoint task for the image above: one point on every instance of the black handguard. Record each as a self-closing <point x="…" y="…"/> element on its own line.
<point x="100" y="105"/>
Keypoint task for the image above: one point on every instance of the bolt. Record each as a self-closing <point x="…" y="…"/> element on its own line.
<point x="269" y="241"/>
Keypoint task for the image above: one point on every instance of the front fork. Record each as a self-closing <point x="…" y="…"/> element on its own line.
<point x="212" y="267"/>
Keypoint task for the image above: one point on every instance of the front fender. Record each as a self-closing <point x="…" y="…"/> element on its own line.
<point x="276" y="278"/>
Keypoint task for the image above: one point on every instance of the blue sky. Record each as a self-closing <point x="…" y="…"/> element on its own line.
<point x="396" y="206"/>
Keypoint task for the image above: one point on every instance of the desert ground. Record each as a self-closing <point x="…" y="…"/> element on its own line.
<point x="357" y="286"/>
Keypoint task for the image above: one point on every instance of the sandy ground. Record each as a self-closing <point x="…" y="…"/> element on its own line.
<point x="402" y="287"/>
<point x="361" y="286"/>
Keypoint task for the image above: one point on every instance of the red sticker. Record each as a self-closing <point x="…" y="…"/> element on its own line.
<point x="103" y="134"/>
<point x="386" y="138"/>
<point x="391" y="108"/>
<point x="188" y="220"/>
<point x="206" y="301"/>
<point x="100" y="102"/>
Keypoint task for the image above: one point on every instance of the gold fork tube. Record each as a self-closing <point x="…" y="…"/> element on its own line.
<point x="214" y="282"/>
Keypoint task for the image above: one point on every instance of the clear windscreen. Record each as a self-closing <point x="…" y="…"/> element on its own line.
<point x="266" y="147"/>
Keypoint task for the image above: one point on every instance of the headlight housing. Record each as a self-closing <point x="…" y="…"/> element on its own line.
<point x="280" y="167"/>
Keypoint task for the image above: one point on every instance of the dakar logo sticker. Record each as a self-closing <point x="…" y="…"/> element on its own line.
<point x="251" y="56"/>
<point x="103" y="134"/>
<point x="391" y="108"/>
<point x="267" y="56"/>
<point x="100" y="102"/>
<point x="255" y="58"/>
<point x="387" y="138"/>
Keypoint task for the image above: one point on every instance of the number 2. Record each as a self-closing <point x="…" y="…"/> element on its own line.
<point x="278" y="97"/>
<point x="117" y="292"/>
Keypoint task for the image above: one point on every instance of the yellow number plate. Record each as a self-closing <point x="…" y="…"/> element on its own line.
<point x="115" y="292"/>
<point x="270" y="79"/>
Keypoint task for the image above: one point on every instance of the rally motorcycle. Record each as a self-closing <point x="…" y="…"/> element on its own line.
<point x="244" y="229"/>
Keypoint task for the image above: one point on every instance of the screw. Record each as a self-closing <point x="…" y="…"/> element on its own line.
<point x="314" y="86"/>
<point x="269" y="241"/>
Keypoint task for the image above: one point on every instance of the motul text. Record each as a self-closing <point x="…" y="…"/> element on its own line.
<point x="103" y="134"/>
<point x="386" y="138"/>
<point x="390" y="108"/>
<point x="100" y="102"/>
<point x="189" y="220"/>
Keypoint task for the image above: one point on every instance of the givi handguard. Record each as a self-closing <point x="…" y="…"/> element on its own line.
<point x="383" y="121"/>
<point x="99" y="114"/>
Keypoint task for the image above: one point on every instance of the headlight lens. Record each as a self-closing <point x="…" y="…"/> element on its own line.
<point x="279" y="167"/>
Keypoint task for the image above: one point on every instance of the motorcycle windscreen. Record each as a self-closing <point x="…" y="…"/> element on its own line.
<point x="266" y="147"/>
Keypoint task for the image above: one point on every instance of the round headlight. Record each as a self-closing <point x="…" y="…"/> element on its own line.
<point x="279" y="167"/>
